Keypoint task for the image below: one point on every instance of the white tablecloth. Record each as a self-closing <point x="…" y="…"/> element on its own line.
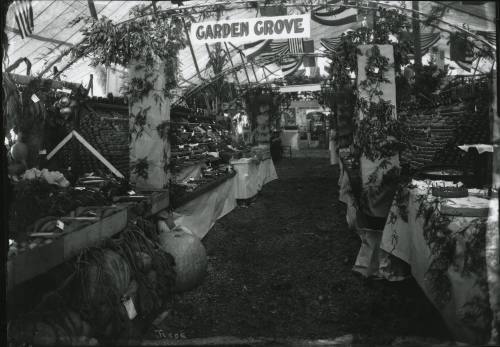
<point x="405" y="239"/>
<point x="199" y="215"/>
<point x="252" y="175"/>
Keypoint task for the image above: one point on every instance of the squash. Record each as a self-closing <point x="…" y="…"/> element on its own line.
<point x="190" y="258"/>
<point x="115" y="275"/>
<point x="19" y="152"/>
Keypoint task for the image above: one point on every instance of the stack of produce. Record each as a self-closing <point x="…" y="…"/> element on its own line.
<point x="115" y="292"/>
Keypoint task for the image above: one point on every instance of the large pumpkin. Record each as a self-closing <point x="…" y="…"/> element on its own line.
<point x="189" y="255"/>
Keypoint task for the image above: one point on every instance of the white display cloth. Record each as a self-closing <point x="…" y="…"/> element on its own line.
<point x="404" y="239"/>
<point x="252" y="175"/>
<point x="199" y="215"/>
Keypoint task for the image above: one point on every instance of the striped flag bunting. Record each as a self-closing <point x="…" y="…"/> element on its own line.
<point x="254" y="49"/>
<point x="23" y="15"/>
<point x="295" y="46"/>
<point x="427" y="40"/>
<point x="274" y="51"/>
<point x="290" y="64"/>
<point x="489" y="36"/>
<point x="335" y="17"/>
<point x="331" y="45"/>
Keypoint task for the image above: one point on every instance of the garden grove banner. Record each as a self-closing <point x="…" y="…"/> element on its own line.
<point x="239" y="31"/>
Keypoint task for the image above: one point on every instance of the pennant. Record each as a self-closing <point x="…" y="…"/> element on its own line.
<point x="23" y="15"/>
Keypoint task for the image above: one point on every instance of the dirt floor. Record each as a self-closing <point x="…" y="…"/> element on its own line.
<point x="282" y="268"/>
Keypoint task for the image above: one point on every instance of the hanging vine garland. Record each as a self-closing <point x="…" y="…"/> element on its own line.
<point x="147" y="38"/>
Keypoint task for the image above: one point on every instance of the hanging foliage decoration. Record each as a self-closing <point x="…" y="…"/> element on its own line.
<point x="148" y="37"/>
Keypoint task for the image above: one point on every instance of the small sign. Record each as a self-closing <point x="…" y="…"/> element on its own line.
<point x="130" y="307"/>
<point x="42" y="151"/>
<point x="60" y="225"/>
<point x="79" y="188"/>
<point x="35" y="98"/>
<point x="64" y="90"/>
<point x="131" y="192"/>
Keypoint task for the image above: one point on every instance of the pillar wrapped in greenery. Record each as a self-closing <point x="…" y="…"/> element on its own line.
<point x="148" y="45"/>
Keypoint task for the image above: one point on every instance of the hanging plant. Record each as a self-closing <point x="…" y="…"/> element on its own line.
<point x="147" y="38"/>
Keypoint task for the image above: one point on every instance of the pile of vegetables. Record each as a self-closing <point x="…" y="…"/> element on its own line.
<point x="130" y="269"/>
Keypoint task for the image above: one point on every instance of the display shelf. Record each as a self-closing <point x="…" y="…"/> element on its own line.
<point x="31" y="263"/>
<point x="185" y="198"/>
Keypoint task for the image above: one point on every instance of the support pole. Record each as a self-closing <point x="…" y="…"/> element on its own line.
<point x="232" y="65"/>
<point x="191" y="48"/>
<point x="244" y="66"/>
<point x="416" y="34"/>
<point x="254" y="74"/>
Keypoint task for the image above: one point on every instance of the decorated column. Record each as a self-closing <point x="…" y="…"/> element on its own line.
<point x="149" y="110"/>
<point x="376" y="135"/>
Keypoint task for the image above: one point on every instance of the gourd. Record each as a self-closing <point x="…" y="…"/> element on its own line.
<point x="115" y="275"/>
<point x="19" y="152"/>
<point x="190" y="258"/>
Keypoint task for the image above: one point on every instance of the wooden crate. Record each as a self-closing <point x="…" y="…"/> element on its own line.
<point x="42" y="258"/>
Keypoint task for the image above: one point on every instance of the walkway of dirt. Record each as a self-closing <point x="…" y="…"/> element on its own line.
<point x="282" y="268"/>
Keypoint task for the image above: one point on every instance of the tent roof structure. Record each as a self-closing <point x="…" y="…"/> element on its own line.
<point x="53" y="35"/>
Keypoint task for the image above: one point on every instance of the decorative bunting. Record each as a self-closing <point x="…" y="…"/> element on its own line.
<point x="337" y="17"/>
<point x="23" y="15"/>
<point x="290" y="65"/>
<point x="427" y="40"/>
<point x="253" y="49"/>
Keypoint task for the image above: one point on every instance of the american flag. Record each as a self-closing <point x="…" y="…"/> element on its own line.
<point x="295" y="46"/>
<point x="23" y="14"/>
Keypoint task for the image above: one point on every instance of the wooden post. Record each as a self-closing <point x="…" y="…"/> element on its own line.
<point x="191" y="49"/>
<point x="377" y="204"/>
<point x="416" y="35"/>
<point x="232" y="65"/>
<point x="254" y="74"/>
<point x="149" y="151"/>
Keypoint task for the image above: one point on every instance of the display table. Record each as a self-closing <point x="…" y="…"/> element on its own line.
<point x="444" y="241"/>
<point x="290" y="138"/>
<point x="200" y="213"/>
<point x="252" y="175"/>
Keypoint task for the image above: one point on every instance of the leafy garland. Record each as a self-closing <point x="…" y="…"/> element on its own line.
<point x="147" y="38"/>
<point x="475" y="313"/>
<point x="378" y="134"/>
